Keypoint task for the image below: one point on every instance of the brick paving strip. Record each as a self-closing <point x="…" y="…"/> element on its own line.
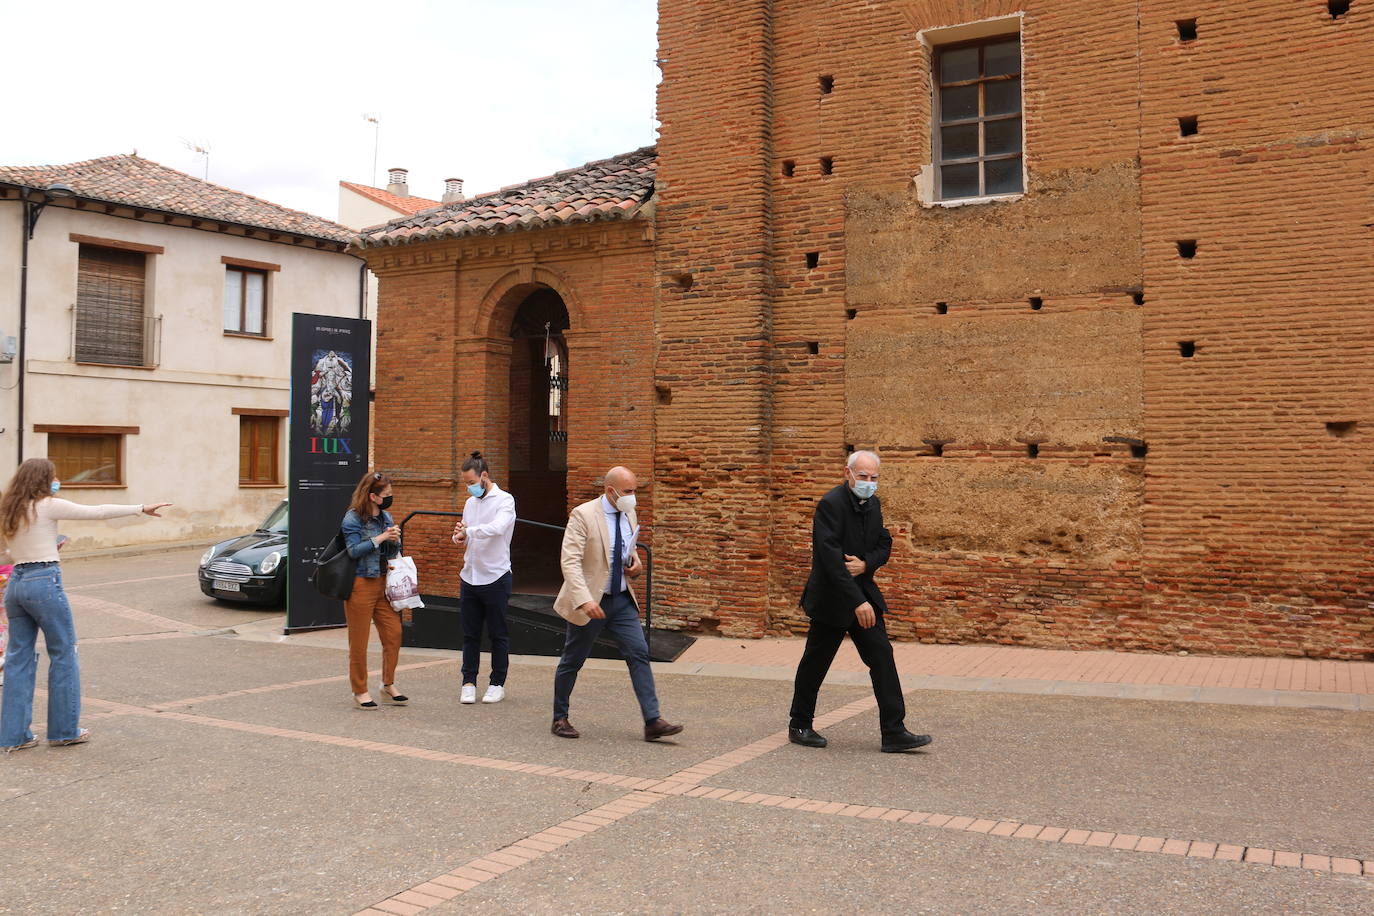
<point x="1098" y="667"/>
<point x="100" y="606"/>
<point x="492" y="865"/>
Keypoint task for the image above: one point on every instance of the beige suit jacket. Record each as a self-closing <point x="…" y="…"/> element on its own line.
<point x="586" y="562"/>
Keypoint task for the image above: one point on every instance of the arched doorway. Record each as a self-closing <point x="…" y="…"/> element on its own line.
<point x="538" y="436"/>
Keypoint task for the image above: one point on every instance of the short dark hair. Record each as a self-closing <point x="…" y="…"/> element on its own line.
<point x="477" y="464"/>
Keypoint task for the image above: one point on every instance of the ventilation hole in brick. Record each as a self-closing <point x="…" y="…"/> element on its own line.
<point x="813" y="260"/>
<point x="1186" y="349"/>
<point x="1187" y="126"/>
<point x="1139" y="451"/>
<point x="849" y="448"/>
<point x="1032" y="450"/>
<point x="1187" y="249"/>
<point x="827" y="165"/>
<point x="684" y="281"/>
<point x="851" y="314"/>
<point x="1138" y="297"/>
<point x="1337" y="8"/>
<point x="665" y="394"/>
<point x="789" y="168"/>
<point x="1341" y="428"/>
<point x="1036" y="303"/>
<point x="827" y="84"/>
<point x="813" y="347"/>
<point x="942" y="308"/>
<point x="937" y="447"/>
<point x="1187" y="29"/>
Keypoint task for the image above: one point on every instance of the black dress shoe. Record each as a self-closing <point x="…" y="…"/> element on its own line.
<point x="660" y="728"/>
<point x="806" y="737"/>
<point x="904" y="741"/>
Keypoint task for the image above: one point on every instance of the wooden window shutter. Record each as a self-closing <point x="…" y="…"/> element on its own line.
<point x="110" y="326"/>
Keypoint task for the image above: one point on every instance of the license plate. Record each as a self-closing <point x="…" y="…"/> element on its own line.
<point x="224" y="585"/>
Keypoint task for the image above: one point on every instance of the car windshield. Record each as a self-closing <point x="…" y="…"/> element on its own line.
<point x="276" y="522"/>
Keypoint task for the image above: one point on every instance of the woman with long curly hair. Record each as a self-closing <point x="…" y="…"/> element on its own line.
<point x="34" y="600"/>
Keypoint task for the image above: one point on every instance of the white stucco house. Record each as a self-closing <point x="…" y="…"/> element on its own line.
<point x="150" y="313"/>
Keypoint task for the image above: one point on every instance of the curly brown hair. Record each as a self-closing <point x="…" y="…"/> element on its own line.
<point x="32" y="482"/>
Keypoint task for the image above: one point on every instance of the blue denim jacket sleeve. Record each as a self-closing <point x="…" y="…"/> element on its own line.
<point x="359" y="541"/>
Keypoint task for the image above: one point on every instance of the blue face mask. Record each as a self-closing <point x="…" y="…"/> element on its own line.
<point x="476" y="490"/>
<point x="56" y="485"/>
<point x="864" y="489"/>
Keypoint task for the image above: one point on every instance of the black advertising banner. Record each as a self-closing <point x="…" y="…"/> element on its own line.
<point x="330" y="369"/>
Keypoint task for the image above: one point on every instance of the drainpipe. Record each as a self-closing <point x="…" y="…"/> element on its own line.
<point x="24" y="222"/>
<point x="362" y="290"/>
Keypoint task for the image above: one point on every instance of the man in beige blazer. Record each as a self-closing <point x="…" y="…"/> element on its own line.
<point x="598" y="561"/>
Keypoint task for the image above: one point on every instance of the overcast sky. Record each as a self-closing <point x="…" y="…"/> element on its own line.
<point x="491" y="91"/>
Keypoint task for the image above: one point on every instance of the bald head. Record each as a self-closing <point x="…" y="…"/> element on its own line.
<point x="620" y="481"/>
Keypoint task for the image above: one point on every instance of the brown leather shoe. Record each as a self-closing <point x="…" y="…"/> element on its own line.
<point x="563" y="729"/>
<point x="660" y="729"/>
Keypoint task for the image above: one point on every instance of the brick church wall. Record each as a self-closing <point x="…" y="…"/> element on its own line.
<point x="444" y="381"/>
<point x="1093" y="487"/>
<point x="1089" y="440"/>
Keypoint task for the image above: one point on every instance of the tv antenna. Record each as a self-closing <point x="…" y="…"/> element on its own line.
<point x="200" y="149"/>
<point x="376" y="123"/>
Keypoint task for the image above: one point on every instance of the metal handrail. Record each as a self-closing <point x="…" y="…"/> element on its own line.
<point x="648" y="561"/>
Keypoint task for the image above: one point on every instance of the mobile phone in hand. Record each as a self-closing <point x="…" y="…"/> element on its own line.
<point x="62" y="540"/>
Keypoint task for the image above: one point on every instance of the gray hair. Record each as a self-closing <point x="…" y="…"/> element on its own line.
<point x="863" y="453"/>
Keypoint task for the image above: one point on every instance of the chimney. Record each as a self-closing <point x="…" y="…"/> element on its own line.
<point x="453" y="190"/>
<point x="397" y="186"/>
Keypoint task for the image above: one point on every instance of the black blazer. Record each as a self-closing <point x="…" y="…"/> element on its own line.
<point x="844" y="525"/>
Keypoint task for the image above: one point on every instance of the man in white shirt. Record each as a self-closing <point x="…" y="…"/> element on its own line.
<point x="598" y="562"/>
<point x="484" y="534"/>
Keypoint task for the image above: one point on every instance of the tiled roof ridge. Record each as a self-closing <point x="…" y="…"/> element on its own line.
<point x="465" y="217"/>
<point x="563" y="173"/>
<point x="339" y="232"/>
<point x="386" y="198"/>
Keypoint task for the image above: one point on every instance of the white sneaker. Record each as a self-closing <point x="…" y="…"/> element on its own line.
<point x="494" y="694"/>
<point x="469" y="693"/>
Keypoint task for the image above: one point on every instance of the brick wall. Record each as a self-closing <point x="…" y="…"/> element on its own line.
<point x="1057" y="472"/>
<point x="1245" y="526"/>
<point x="444" y="380"/>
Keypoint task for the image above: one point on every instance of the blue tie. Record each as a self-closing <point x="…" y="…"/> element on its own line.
<point x="616" y="562"/>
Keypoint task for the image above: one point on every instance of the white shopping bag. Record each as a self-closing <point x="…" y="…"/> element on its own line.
<point x="403" y="584"/>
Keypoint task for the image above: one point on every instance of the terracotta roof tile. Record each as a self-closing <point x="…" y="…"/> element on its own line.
<point x="136" y="182"/>
<point x="387" y="199"/>
<point x="615" y="188"/>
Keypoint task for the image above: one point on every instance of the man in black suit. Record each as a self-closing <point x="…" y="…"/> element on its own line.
<point x="848" y="544"/>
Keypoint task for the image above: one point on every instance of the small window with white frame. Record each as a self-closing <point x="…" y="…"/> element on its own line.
<point x="245" y="301"/>
<point x="977" y="131"/>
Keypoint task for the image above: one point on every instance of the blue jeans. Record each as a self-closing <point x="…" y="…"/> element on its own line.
<point x="34" y="601"/>
<point x="485" y="605"/>
<point x="622" y="620"/>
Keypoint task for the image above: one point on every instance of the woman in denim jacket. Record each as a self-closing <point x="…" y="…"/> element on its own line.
<point x="373" y="538"/>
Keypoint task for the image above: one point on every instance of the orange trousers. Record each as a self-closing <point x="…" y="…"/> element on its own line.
<point x="368" y="605"/>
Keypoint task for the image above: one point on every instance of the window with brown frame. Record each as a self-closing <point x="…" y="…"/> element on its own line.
<point x="87" y="459"/>
<point x="259" y="448"/>
<point x="978" y="144"/>
<point x="245" y="301"/>
<point x="110" y="323"/>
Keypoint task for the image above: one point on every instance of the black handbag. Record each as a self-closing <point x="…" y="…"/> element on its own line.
<point x="335" y="570"/>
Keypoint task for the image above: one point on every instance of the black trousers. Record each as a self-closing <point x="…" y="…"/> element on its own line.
<point x="822" y="642"/>
<point x="485" y="605"/>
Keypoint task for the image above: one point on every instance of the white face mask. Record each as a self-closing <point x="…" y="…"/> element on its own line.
<point x="624" y="502"/>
